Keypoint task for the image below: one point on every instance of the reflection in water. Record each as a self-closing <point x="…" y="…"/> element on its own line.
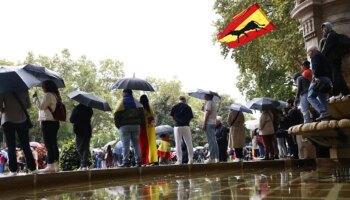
<point x="255" y="185"/>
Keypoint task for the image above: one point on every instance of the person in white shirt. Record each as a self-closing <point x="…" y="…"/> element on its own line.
<point x="209" y="128"/>
<point x="49" y="126"/>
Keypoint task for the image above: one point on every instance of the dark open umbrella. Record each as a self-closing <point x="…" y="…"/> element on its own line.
<point x="262" y="103"/>
<point x="240" y="108"/>
<point x="90" y="100"/>
<point x="164" y="129"/>
<point x="132" y="84"/>
<point x="16" y="79"/>
<point x="43" y="74"/>
<point x="199" y="94"/>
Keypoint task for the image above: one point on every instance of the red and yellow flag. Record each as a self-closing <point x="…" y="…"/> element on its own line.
<point x="245" y="26"/>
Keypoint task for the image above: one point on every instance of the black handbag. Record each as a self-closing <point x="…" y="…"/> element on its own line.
<point x="28" y="124"/>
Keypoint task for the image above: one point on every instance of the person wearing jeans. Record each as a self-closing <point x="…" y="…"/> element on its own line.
<point x="321" y="73"/>
<point x="303" y="85"/>
<point x="209" y="128"/>
<point x="13" y="120"/>
<point x="130" y="133"/>
<point x="128" y="118"/>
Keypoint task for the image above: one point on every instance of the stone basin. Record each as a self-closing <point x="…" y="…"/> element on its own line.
<point x="334" y="134"/>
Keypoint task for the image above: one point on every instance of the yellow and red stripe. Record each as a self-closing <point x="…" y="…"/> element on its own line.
<point x="239" y="25"/>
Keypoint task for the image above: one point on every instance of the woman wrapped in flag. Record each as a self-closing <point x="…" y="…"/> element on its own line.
<point x="147" y="139"/>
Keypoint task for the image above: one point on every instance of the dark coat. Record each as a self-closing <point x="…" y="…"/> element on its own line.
<point x="320" y="66"/>
<point x="81" y="119"/>
<point x="221" y="134"/>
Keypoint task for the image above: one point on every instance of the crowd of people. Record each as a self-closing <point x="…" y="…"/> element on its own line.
<point x="135" y="120"/>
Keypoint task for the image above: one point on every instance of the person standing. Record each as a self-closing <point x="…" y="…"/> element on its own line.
<point x="81" y="119"/>
<point x="267" y="131"/>
<point x="147" y="139"/>
<point x="305" y="70"/>
<point x="237" y="133"/>
<point x="321" y="85"/>
<point x="128" y="117"/>
<point x="209" y="128"/>
<point x="49" y="126"/>
<point x="109" y="157"/>
<point x="329" y="48"/>
<point x="303" y="85"/>
<point x="182" y="115"/>
<point x="164" y="149"/>
<point x="13" y="108"/>
<point x="221" y="138"/>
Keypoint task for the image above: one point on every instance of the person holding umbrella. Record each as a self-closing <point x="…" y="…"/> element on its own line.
<point x="49" y="125"/>
<point x="147" y="139"/>
<point x="128" y="118"/>
<point x="81" y="119"/>
<point x="13" y="108"/>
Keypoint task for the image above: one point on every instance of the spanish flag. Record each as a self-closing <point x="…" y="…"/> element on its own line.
<point x="245" y="26"/>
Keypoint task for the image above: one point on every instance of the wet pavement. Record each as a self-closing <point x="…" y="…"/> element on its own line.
<point x="251" y="184"/>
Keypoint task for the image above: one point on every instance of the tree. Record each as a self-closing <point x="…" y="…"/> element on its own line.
<point x="83" y="75"/>
<point x="266" y="63"/>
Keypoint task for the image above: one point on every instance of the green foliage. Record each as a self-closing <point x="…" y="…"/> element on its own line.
<point x="84" y="75"/>
<point x="69" y="157"/>
<point x="266" y="63"/>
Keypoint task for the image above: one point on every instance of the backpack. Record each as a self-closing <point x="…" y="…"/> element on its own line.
<point x="343" y="44"/>
<point x="60" y="112"/>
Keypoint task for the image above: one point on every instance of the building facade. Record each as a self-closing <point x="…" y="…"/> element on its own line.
<point x="312" y="13"/>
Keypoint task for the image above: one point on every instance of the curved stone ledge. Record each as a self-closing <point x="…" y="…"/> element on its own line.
<point x="334" y="133"/>
<point x="339" y="108"/>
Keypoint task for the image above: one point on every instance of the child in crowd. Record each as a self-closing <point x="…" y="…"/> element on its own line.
<point x="164" y="150"/>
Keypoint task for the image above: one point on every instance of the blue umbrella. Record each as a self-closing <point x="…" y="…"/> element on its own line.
<point x="16" y="79"/>
<point x="199" y="94"/>
<point x="44" y="74"/>
<point x="263" y="103"/>
<point x="240" y="108"/>
<point x="89" y="100"/>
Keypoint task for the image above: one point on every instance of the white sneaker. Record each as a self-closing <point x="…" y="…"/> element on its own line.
<point x="49" y="169"/>
<point x="56" y="167"/>
<point x="207" y="161"/>
<point x="345" y="97"/>
<point x="34" y="171"/>
<point x="216" y="160"/>
<point x="178" y="163"/>
<point x="82" y="169"/>
<point x="12" y="173"/>
<point x="190" y="162"/>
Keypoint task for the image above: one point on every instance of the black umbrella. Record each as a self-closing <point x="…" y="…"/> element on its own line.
<point x="43" y="74"/>
<point x="199" y="94"/>
<point x="132" y="84"/>
<point x="262" y="103"/>
<point x="16" y="79"/>
<point x="90" y="100"/>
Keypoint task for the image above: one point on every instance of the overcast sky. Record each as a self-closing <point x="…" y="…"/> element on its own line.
<point x="158" y="38"/>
